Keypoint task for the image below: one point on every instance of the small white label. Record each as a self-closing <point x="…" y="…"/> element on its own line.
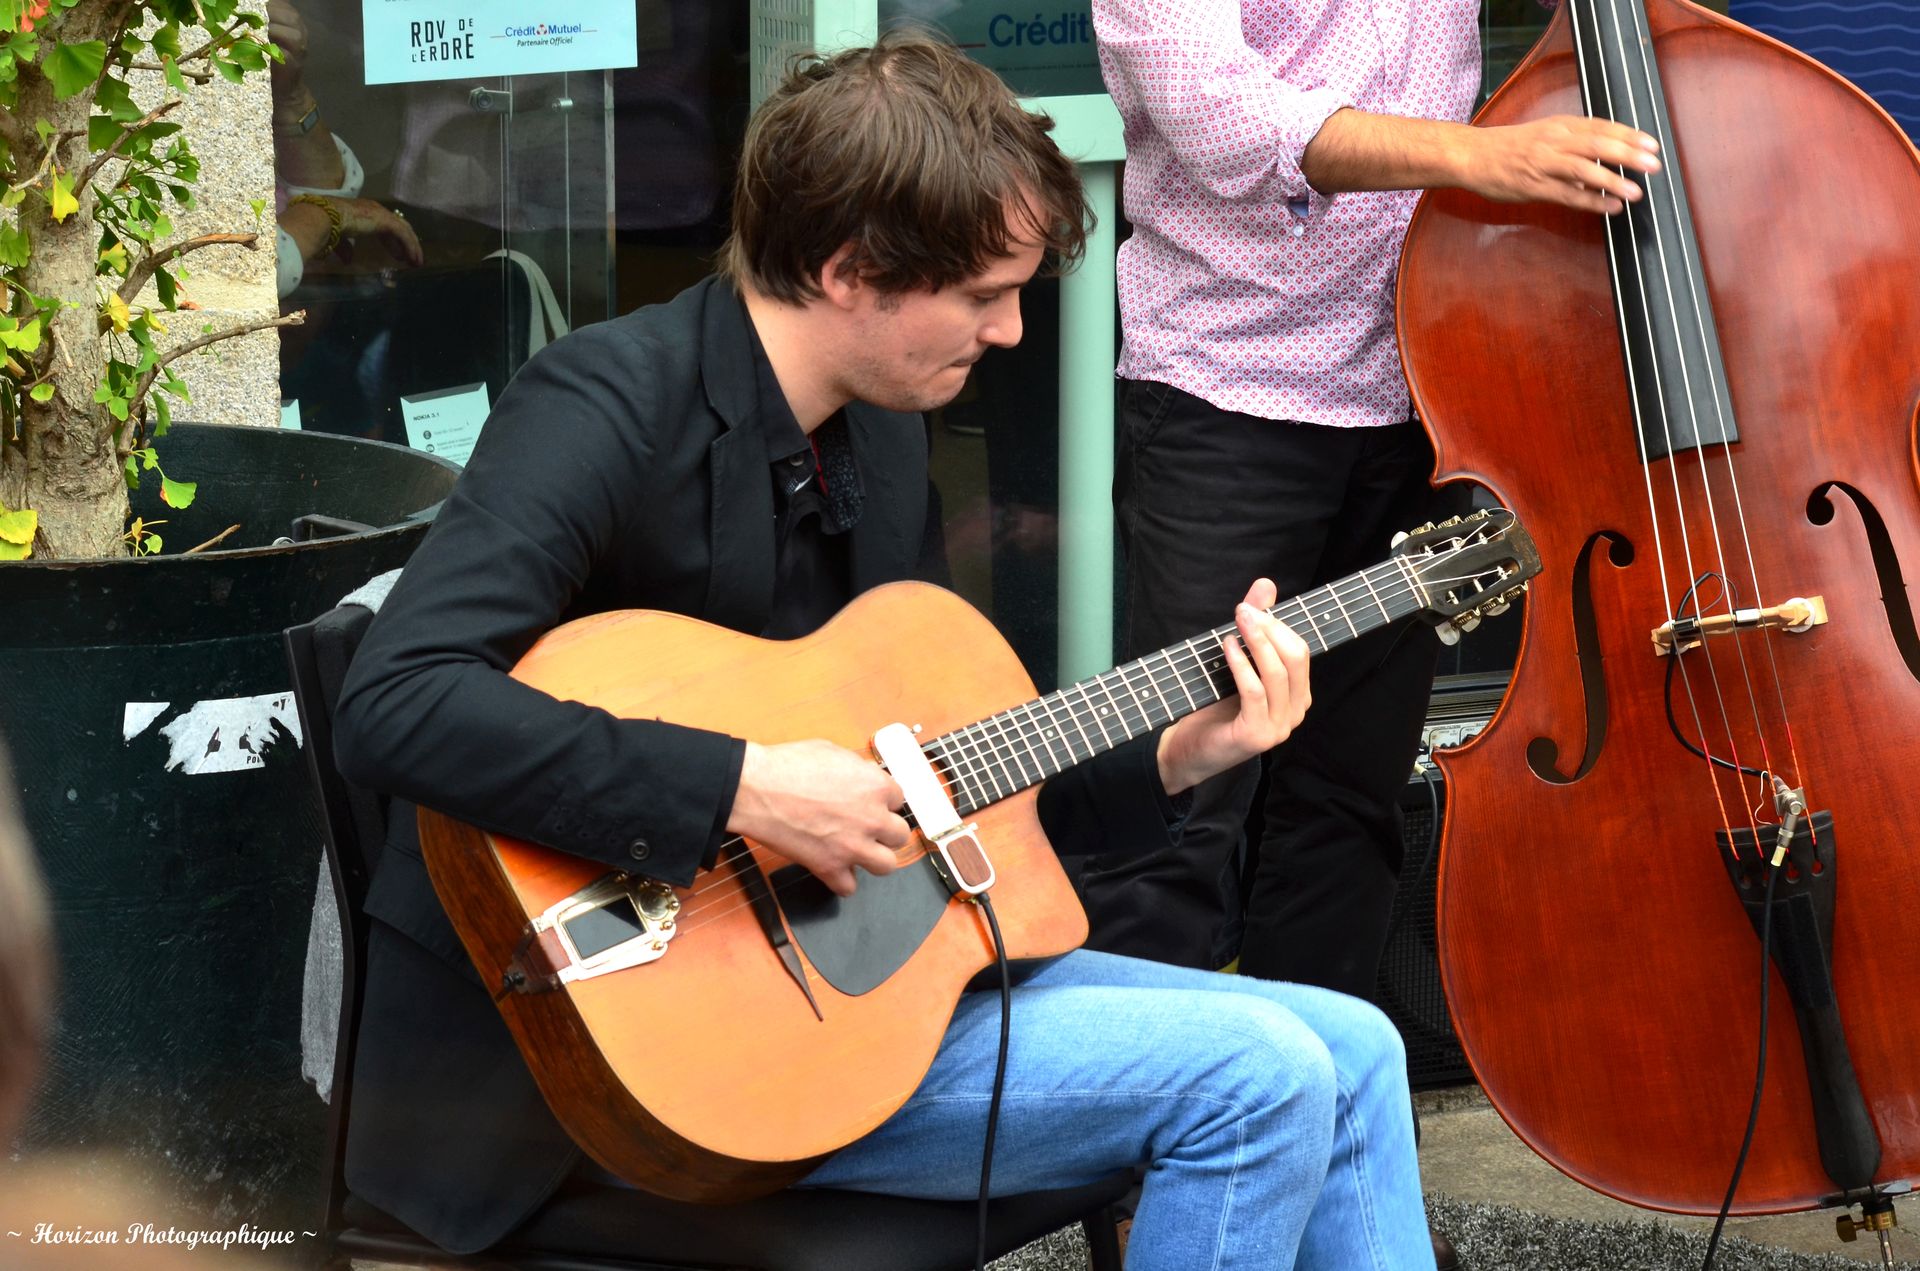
<point x="289" y="412"/>
<point x="222" y="734"/>
<point x="446" y="423"/>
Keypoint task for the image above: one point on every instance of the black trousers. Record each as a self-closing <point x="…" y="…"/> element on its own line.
<point x="1207" y="501"/>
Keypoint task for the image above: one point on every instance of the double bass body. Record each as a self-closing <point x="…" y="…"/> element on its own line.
<point x="1603" y="977"/>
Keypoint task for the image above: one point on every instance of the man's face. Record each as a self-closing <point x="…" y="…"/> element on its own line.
<point x="913" y="350"/>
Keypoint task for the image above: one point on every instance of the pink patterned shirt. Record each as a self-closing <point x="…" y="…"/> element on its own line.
<point x="1241" y="284"/>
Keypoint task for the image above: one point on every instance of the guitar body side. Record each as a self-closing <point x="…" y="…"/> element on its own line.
<point x="705" y="1075"/>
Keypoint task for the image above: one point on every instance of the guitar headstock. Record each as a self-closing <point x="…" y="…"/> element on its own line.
<point x="1468" y="568"/>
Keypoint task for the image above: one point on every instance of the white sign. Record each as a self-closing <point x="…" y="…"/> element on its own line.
<point x="411" y="40"/>
<point x="446" y="423"/>
<point x="289" y="412"/>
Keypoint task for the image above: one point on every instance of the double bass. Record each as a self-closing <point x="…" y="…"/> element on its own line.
<point x="1704" y="408"/>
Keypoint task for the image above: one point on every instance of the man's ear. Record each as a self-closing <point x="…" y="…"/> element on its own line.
<point x="840" y="281"/>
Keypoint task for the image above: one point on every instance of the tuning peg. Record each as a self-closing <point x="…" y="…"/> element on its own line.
<point x="1448" y="633"/>
<point x="1468" y="620"/>
<point x="1452" y="520"/>
<point x="1493" y="608"/>
<point x="1399" y="538"/>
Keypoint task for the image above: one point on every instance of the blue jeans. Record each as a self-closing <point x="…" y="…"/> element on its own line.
<point x="1272" y="1119"/>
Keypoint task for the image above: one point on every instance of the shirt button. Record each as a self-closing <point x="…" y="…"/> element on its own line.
<point x="795" y="461"/>
<point x="1298" y="230"/>
<point x="639" y="849"/>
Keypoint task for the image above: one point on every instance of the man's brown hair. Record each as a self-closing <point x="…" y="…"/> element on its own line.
<point x="910" y="152"/>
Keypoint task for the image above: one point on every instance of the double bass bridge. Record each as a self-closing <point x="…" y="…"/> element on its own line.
<point x="1801" y="613"/>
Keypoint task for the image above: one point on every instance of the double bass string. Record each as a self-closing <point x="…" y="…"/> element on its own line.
<point x="1698" y="320"/>
<point x="1664" y="257"/>
<point x="1594" y="110"/>
<point x="1695" y="270"/>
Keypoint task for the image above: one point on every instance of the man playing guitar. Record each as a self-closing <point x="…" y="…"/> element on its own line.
<point x="751" y="454"/>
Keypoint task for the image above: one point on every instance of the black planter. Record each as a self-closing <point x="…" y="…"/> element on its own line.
<point x="168" y="800"/>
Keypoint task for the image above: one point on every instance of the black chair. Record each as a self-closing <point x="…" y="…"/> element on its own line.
<point x="616" y="1229"/>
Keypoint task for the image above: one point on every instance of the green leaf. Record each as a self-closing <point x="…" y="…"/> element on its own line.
<point x="150" y="543"/>
<point x="15" y="551"/>
<point x="42" y="393"/>
<point x="26" y="339"/>
<point x="72" y="67"/>
<point x="148" y="459"/>
<point x="170" y="67"/>
<point x="163" y="413"/>
<point x="177" y="494"/>
<point x="166" y="40"/>
<point x="102" y="131"/>
<point x="117" y="407"/>
<point x="114" y="98"/>
<point x="61" y="200"/>
<point x="177" y="386"/>
<point x="228" y="68"/>
<point x="18" y="527"/>
<point x="15" y="249"/>
<point x="169" y="291"/>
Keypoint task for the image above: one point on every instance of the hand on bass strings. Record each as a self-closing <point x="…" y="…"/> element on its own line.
<point x="822" y="807"/>
<point x="1565" y="159"/>
<point x="1270" y="674"/>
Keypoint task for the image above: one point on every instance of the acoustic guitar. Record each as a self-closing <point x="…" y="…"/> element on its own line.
<point x="716" y="1041"/>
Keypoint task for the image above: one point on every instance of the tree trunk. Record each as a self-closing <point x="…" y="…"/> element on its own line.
<point x="65" y="463"/>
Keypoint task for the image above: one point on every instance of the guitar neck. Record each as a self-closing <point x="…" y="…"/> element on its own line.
<point x="993" y="758"/>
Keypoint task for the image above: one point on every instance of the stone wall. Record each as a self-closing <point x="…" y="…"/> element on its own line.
<point x="229" y="127"/>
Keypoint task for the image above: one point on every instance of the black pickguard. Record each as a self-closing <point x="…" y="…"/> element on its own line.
<point x="857" y="942"/>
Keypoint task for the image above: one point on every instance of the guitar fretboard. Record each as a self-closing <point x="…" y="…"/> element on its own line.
<point x="990" y="759"/>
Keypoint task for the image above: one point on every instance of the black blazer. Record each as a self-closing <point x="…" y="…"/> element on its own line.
<point x="624" y="467"/>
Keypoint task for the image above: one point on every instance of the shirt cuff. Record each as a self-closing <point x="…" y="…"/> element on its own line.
<point x="1317" y="105"/>
<point x="718" y="836"/>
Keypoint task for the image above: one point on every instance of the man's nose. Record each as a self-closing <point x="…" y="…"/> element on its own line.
<point x="1003" y="328"/>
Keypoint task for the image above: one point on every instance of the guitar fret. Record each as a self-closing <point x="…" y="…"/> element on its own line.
<point x="1180" y="679"/>
<point x="1416" y="589"/>
<point x="1047" y="732"/>
<point x="1141" y="699"/>
<point x="1119" y="714"/>
<point x="976" y="776"/>
<point x="1078" y="723"/>
<point x="1334" y="591"/>
<point x="1378" y="603"/>
<point x="1008" y="748"/>
<point x="1312" y="633"/>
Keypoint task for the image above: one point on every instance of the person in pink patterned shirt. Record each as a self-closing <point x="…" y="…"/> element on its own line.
<point x="1275" y="151"/>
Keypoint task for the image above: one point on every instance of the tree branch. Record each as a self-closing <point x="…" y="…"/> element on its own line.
<point x="198" y="77"/>
<point x="246" y="328"/>
<point x="100" y="159"/>
<point x="226" y="37"/>
<point x="138" y="275"/>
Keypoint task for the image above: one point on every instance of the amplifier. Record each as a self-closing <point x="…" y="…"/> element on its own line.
<point x="1408" y="989"/>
